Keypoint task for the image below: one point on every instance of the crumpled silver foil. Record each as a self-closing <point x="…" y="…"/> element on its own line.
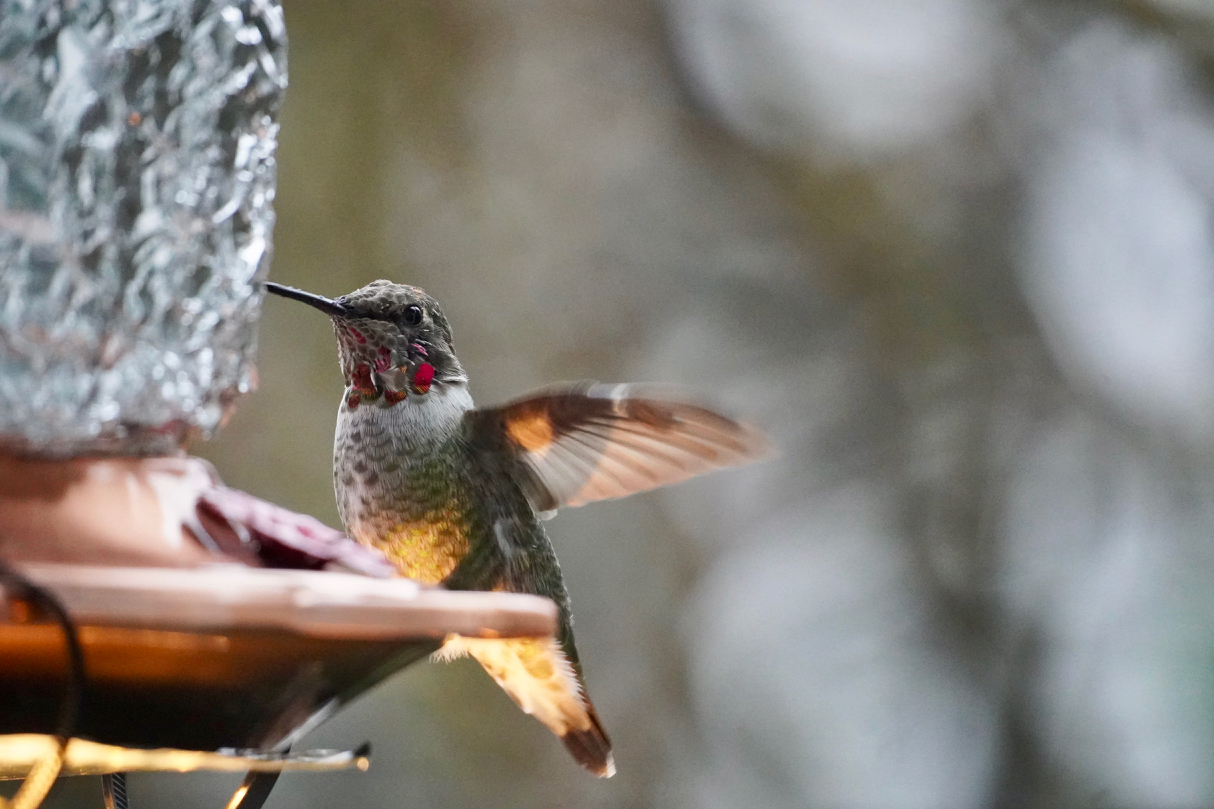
<point x="137" y="167"/>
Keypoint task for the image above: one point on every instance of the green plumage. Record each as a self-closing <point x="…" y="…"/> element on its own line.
<point x="449" y="493"/>
<point x="443" y="509"/>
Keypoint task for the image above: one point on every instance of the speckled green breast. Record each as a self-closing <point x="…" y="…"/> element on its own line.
<point x="404" y="494"/>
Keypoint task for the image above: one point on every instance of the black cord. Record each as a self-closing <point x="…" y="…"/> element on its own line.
<point x="19" y="586"/>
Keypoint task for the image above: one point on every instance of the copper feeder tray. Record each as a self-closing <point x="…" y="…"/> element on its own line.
<point x="228" y="656"/>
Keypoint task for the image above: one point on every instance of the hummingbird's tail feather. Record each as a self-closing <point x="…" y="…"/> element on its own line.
<point x="541" y="680"/>
<point x="591" y="747"/>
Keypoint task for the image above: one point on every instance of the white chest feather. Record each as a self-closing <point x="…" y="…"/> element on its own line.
<point x="417" y="421"/>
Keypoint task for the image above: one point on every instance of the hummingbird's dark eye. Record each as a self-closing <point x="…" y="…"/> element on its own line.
<point x="413" y="315"/>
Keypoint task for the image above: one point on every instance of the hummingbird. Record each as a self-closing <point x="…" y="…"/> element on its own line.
<point x="455" y="495"/>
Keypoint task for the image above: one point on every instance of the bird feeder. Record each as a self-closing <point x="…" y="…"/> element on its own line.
<point x="150" y="618"/>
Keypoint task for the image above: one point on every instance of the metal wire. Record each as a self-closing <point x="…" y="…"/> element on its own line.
<point x="113" y="789"/>
<point x="253" y="791"/>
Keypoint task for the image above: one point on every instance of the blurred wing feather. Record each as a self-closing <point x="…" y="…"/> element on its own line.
<point x="596" y="442"/>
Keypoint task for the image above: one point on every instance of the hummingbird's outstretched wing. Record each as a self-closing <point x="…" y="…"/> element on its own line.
<point x="589" y="442"/>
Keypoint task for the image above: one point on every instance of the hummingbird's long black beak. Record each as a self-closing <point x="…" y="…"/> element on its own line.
<point x="329" y="307"/>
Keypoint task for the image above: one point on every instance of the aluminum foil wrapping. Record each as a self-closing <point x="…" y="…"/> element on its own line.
<point x="137" y="146"/>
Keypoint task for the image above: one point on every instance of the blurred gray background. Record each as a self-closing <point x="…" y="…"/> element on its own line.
<point x="956" y="256"/>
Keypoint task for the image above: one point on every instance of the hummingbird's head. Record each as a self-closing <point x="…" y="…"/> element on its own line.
<point x="385" y="333"/>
